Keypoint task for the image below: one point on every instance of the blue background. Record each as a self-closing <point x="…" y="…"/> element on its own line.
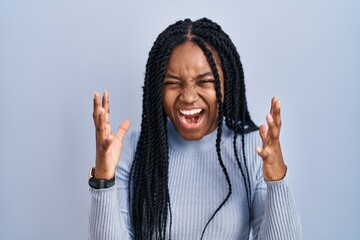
<point x="55" y="54"/>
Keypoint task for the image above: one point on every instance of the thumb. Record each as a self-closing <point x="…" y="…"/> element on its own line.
<point x="122" y="130"/>
<point x="262" y="152"/>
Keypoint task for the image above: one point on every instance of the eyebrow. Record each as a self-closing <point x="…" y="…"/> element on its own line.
<point x="200" y="76"/>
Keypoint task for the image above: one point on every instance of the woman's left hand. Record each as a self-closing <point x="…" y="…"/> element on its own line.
<point x="274" y="167"/>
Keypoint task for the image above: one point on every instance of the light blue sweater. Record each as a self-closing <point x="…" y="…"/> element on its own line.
<point x="197" y="187"/>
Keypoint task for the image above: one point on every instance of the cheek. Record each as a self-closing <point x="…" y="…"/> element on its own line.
<point x="214" y="104"/>
<point x="209" y="97"/>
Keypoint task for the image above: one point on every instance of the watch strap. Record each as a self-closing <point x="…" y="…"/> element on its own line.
<point x="100" y="183"/>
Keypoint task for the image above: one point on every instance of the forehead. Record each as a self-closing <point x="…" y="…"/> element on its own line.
<point x="188" y="56"/>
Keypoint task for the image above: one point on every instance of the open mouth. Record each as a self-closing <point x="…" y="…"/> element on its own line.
<point x="192" y="116"/>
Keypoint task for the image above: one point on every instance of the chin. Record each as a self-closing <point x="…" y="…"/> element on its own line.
<point x="191" y="137"/>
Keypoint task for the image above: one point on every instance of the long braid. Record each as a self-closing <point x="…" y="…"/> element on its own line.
<point x="161" y="116"/>
<point x="219" y="123"/>
<point x="150" y="168"/>
<point x="237" y="116"/>
<point x="213" y="38"/>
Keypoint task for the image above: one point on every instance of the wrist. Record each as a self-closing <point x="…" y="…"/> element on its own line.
<point x="98" y="173"/>
<point x="99" y="183"/>
<point x="274" y="172"/>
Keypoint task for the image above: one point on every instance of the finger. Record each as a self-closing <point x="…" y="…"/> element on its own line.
<point x="105" y="101"/>
<point x="106" y="106"/>
<point x="122" y="130"/>
<point x="96" y="108"/>
<point x="273" y="100"/>
<point x="262" y="152"/>
<point x="276" y="113"/>
<point x="263" y="133"/>
<point x="273" y="130"/>
<point x="101" y="133"/>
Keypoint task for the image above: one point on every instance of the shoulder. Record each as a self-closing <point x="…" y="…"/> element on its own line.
<point x="251" y="138"/>
<point x="131" y="138"/>
<point x="246" y="150"/>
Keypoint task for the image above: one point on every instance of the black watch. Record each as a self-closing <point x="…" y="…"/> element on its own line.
<point x="99" y="183"/>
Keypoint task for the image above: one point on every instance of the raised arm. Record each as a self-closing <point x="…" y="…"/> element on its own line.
<point x="274" y="167"/>
<point x="105" y="220"/>
<point x="279" y="218"/>
<point x="108" y="145"/>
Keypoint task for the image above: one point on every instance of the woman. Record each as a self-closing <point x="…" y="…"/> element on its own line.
<point x="196" y="169"/>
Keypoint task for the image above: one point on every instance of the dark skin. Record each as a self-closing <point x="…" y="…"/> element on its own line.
<point x="274" y="167"/>
<point x="189" y="85"/>
<point x="109" y="145"/>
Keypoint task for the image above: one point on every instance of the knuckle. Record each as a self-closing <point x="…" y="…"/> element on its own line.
<point x="105" y="144"/>
<point x="100" y="128"/>
<point x="121" y="135"/>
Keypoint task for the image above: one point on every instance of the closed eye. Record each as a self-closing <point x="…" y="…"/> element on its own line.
<point x="205" y="82"/>
<point x="172" y="84"/>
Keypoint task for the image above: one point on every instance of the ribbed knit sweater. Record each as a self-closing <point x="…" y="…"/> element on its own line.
<point x="197" y="186"/>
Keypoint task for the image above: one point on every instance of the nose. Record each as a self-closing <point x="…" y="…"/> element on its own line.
<point x="189" y="94"/>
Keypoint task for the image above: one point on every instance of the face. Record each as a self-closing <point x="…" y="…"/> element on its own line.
<point x="189" y="96"/>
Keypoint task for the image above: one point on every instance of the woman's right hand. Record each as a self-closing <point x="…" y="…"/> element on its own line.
<point x="108" y="145"/>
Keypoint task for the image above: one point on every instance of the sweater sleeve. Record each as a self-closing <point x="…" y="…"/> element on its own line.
<point x="109" y="217"/>
<point x="105" y="221"/>
<point x="280" y="219"/>
<point x="274" y="215"/>
<point x="274" y="212"/>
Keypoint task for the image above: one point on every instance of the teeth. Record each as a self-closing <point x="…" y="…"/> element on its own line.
<point x="183" y="119"/>
<point x="191" y="112"/>
<point x="186" y="121"/>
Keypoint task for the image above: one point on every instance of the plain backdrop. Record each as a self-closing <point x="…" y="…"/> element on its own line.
<point x="55" y="54"/>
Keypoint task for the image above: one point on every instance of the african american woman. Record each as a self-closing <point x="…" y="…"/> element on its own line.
<point x="199" y="168"/>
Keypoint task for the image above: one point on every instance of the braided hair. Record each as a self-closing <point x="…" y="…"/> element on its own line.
<point x="148" y="186"/>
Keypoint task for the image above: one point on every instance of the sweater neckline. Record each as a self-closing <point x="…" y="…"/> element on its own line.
<point x="205" y="144"/>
